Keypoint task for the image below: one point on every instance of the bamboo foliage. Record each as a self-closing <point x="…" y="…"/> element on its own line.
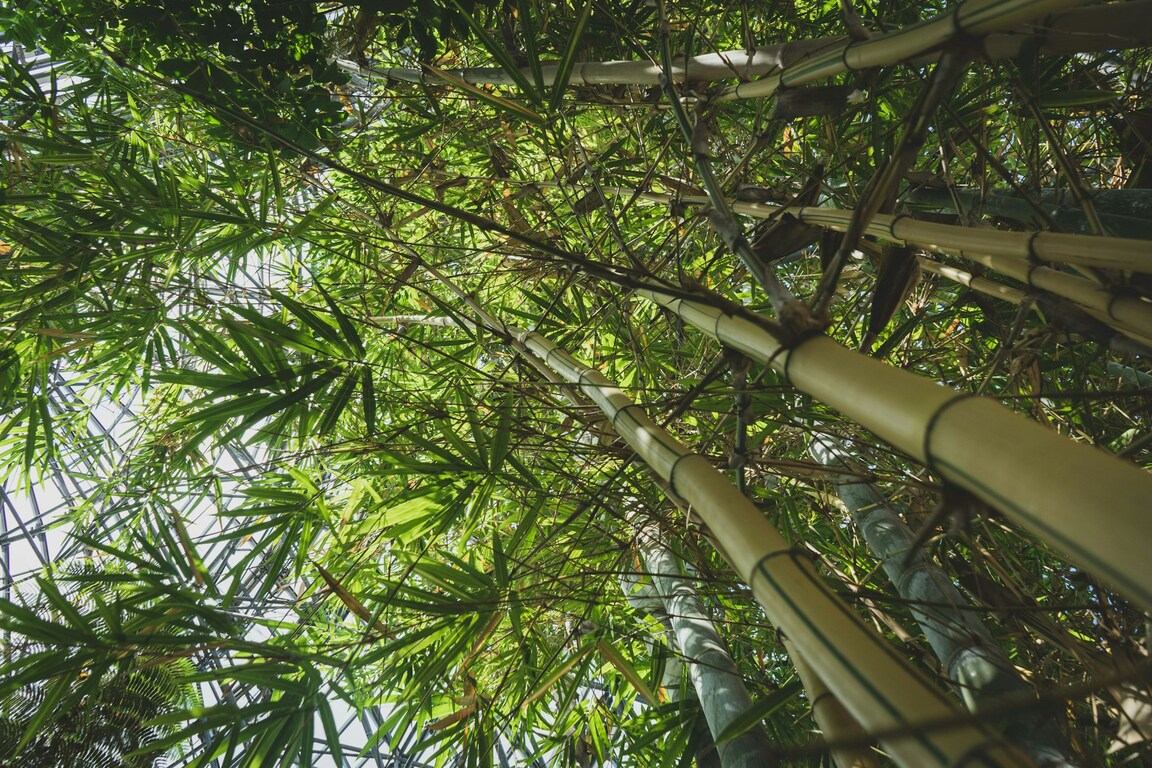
<point x="1043" y="482"/>
<point x="888" y="698"/>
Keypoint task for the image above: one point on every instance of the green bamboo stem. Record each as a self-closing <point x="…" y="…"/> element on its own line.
<point x="1115" y="26"/>
<point x="1043" y="482"/>
<point x="1127" y="314"/>
<point x="719" y="687"/>
<point x="877" y="687"/>
<point x="968" y="19"/>
<point x="958" y="636"/>
<point x="836" y="723"/>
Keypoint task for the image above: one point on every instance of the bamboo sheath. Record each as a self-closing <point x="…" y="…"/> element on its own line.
<point x="972" y="18"/>
<point x="874" y="683"/>
<point x="1090" y="506"/>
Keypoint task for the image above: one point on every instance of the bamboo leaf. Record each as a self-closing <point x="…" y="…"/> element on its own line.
<point x="499" y="52"/>
<point x="568" y="59"/>
<point x="761" y="710"/>
<point x="508" y="105"/>
<point x="556" y="674"/>
<point x="351" y="602"/>
<point x="616" y="659"/>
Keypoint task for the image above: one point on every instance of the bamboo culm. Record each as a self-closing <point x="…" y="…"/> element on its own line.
<point x="1033" y="475"/>
<point x="958" y="636"/>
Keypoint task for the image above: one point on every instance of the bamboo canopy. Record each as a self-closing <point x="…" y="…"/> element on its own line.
<point x="966" y="19"/>
<point x="1043" y="482"/>
<point x="881" y="691"/>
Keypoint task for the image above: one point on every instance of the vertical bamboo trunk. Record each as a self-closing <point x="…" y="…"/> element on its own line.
<point x="916" y="723"/>
<point x="959" y="638"/>
<point x="718" y="685"/>
<point x="1091" y="506"/>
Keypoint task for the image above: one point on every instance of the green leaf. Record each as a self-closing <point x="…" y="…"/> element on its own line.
<point x="568" y="59"/>
<point x="761" y="710"/>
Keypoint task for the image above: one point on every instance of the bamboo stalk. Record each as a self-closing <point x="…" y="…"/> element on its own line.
<point x="970" y="18"/>
<point x="1130" y="315"/>
<point x="876" y="686"/>
<point x="1082" y="250"/>
<point x="975" y="282"/>
<point x="836" y="723"/>
<point x="1115" y="26"/>
<point x="1041" y="481"/>
<point x="1010" y="253"/>
<point x="957" y="635"/>
<point x="1123" y="253"/>
<point x="719" y="687"/>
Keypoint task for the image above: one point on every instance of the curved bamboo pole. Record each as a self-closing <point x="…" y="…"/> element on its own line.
<point x="876" y="685"/>
<point x="972" y="18"/>
<point x="1043" y="482"/>
<point x="1122" y="342"/>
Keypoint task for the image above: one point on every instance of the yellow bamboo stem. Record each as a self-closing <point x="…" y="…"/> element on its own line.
<point x="876" y="685"/>
<point x="1090" y="506"/>
<point x="1013" y="254"/>
<point x="836" y="723"/>
<point x="975" y="282"/>
<point x="973" y="18"/>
